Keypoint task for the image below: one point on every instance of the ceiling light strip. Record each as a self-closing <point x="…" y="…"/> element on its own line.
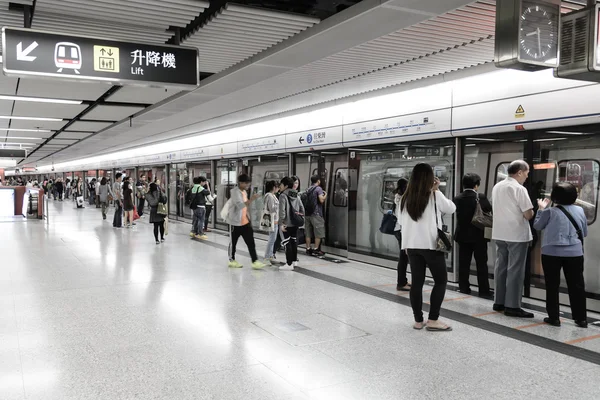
<point x="39" y="99"/>
<point x="31" y="118"/>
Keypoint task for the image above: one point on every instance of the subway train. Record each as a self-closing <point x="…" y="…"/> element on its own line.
<point x="456" y="128"/>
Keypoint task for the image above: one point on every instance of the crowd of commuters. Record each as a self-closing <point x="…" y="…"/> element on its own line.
<point x="419" y="207"/>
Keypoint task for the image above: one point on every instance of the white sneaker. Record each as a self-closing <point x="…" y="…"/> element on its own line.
<point x="286" y="267"/>
<point x="295" y="264"/>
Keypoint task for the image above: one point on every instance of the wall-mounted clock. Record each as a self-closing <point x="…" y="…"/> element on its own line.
<point x="527" y="34"/>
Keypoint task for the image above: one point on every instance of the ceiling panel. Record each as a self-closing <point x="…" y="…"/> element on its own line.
<point x="26" y="134"/>
<point x="140" y="95"/>
<point x="8" y="85"/>
<point x="4" y="123"/>
<point x="73" y="135"/>
<point x="62" y="141"/>
<point x="24" y="124"/>
<point x="30" y="109"/>
<point x="112" y="113"/>
<point x="6" y="107"/>
<point x="59" y="89"/>
<point x="89" y="126"/>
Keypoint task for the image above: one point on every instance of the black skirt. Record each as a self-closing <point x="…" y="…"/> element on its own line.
<point x="155" y="217"/>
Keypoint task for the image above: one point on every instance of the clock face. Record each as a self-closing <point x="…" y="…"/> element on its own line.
<point x="538" y="34"/>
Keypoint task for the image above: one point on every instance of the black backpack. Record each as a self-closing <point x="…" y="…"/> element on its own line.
<point x="194" y="200"/>
<point x="296" y="218"/>
<point x="309" y="205"/>
<point x="188" y="197"/>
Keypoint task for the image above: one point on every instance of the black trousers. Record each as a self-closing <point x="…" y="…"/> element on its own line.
<point x="159" y="226"/>
<point x="118" y="218"/>
<point x="419" y="260"/>
<point x="465" y="254"/>
<point x="290" y="243"/>
<point x="246" y="232"/>
<point x="277" y="244"/>
<point x="207" y="216"/>
<point x="140" y="206"/>
<point x="402" y="261"/>
<point x="573" y="270"/>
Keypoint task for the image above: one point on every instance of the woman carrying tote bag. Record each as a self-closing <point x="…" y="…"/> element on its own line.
<point x="424" y="241"/>
<point x="153" y="197"/>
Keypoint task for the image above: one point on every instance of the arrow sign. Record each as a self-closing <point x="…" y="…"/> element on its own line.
<point x="301" y="140"/>
<point x="23" y="55"/>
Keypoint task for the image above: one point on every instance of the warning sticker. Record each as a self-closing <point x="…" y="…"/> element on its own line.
<point x="520" y="113"/>
<point x="106" y="59"/>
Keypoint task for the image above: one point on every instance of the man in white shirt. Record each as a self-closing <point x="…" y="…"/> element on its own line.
<point x="512" y="234"/>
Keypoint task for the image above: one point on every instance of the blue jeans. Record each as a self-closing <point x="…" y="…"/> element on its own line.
<point x="198" y="220"/>
<point x="271" y="242"/>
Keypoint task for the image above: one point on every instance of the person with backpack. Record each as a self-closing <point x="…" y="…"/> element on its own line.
<point x="313" y="200"/>
<point x="291" y="217"/>
<point x="198" y="207"/>
<point x="235" y="212"/>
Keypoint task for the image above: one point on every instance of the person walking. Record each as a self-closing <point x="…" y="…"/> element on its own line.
<point x="270" y="220"/>
<point x="103" y="192"/>
<point x="511" y="231"/>
<point x="60" y="187"/>
<point x="97" y="198"/>
<point x="128" y="202"/>
<point x="470" y="238"/>
<point x="155" y="196"/>
<point x="290" y="206"/>
<point x="402" y="284"/>
<point x="564" y="226"/>
<point x="421" y="209"/>
<point x="118" y="199"/>
<point x="239" y="220"/>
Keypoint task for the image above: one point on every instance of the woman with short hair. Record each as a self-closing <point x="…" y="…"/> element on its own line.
<point x="564" y="226"/>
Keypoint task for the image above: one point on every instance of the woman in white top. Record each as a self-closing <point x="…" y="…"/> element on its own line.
<point x="271" y="207"/>
<point x="402" y="284"/>
<point x="420" y="223"/>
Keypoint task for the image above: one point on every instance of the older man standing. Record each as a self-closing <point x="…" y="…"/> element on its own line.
<point x="512" y="234"/>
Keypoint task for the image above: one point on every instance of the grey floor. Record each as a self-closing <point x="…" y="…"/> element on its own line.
<point x="91" y="312"/>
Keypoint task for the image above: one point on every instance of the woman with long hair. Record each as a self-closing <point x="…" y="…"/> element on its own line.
<point x="271" y="213"/>
<point x="421" y="209"/>
<point x="103" y="192"/>
<point x="403" y="259"/>
<point x="153" y="197"/>
<point x="128" y="203"/>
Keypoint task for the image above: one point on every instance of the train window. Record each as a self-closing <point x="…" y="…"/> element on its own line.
<point x="584" y="175"/>
<point x="502" y="171"/>
<point x="390" y="181"/>
<point x="341" y="184"/>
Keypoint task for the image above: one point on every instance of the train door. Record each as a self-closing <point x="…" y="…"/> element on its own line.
<point x="378" y="171"/>
<point x="195" y="170"/>
<point x="332" y="169"/>
<point x="261" y="170"/>
<point x="226" y="179"/>
<point x="178" y="178"/>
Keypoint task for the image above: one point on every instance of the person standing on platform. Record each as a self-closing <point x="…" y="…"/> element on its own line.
<point x="155" y="196"/>
<point x="470" y="238"/>
<point x="512" y="234"/>
<point x="289" y="203"/>
<point x="60" y="187"/>
<point x="198" y="207"/>
<point x="97" y="193"/>
<point x="128" y="203"/>
<point x="271" y="213"/>
<point x="238" y="218"/>
<point x="315" y="223"/>
<point x="103" y="192"/>
<point x="118" y="198"/>
<point x="564" y="226"/>
<point x="141" y="188"/>
<point x="210" y="199"/>
<point x="421" y="210"/>
<point x="402" y="284"/>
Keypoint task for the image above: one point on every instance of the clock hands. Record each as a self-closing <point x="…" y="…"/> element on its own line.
<point x="539" y="37"/>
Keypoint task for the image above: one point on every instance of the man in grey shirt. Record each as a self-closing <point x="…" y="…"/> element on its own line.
<point x="118" y="195"/>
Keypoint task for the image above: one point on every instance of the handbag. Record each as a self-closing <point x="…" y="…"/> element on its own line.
<point x="136" y="216"/>
<point x="162" y="209"/>
<point x="443" y="242"/>
<point x="573" y="222"/>
<point x="296" y="218"/>
<point x="266" y="221"/>
<point x="166" y="225"/>
<point x="225" y="211"/>
<point x="388" y="222"/>
<point x="482" y="219"/>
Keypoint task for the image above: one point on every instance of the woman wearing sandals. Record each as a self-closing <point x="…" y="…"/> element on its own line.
<point x="420" y="223"/>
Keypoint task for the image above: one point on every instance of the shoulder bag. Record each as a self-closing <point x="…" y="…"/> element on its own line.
<point x="482" y="219"/>
<point x="266" y="221"/>
<point x="388" y="222"/>
<point x="296" y="218"/>
<point x="162" y="207"/>
<point x="444" y="239"/>
<point x="573" y="222"/>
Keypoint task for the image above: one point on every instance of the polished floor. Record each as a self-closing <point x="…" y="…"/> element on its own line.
<point x="92" y="312"/>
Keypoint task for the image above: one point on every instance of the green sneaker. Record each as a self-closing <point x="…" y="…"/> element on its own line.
<point x="235" y="264"/>
<point x="192" y="234"/>
<point x="258" y="265"/>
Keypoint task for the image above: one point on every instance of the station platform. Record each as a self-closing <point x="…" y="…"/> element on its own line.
<point x="88" y="311"/>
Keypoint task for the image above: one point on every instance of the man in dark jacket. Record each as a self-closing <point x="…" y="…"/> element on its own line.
<point x="470" y="239"/>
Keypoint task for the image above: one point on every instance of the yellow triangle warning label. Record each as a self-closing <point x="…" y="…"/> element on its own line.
<point x="520" y="110"/>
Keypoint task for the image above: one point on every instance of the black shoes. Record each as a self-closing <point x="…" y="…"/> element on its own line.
<point x="318" y="253"/>
<point x="498" y="307"/>
<point x="404" y="288"/>
<point x="581" y="324"/>
<point x="465" y="291"/>
<point x="487" y="295"/>
<point x="553" y="322"/>
<point x="517" y="312"/>
<point x="309" y="251"/>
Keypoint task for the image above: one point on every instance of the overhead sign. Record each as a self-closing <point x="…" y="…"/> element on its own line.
<point x="331" y="136"/>
<point x="29" y="52"/>
<point x="262" y="145"/>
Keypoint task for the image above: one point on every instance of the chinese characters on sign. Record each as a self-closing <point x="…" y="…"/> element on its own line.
<point x="151" y="58"/>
